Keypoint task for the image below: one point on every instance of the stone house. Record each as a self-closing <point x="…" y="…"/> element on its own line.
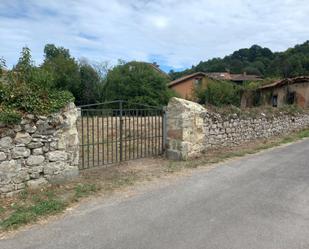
<point x="185" y="85"/>
<point x="283" y="92"/>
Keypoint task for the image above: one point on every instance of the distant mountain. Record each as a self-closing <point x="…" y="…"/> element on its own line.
<point x="257" y="60"/>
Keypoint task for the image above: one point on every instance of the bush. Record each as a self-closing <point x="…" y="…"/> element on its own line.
<point x="9" y="116"/>
<point x="138" y="83"/>
<point x="29" y="89"/>
<point x="220" y="93"/>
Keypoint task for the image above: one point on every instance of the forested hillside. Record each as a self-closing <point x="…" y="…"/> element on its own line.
<point x="257" y="60"/>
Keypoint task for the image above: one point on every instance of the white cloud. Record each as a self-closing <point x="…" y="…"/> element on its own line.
<point x="177" y="33"/>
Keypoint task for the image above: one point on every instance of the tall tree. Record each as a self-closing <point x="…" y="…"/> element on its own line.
<point x="136" y="82"/>
<point x="64" y="69"/>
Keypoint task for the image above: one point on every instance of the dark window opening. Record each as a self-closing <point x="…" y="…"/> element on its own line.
<point x="291" y="98"/>
<point x="198" y="81"/>
<point x="274" y="100"/>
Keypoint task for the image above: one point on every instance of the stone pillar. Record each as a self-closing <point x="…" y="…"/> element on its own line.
<point x="185" y="129"/>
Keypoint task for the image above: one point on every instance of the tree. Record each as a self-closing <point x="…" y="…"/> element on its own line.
<point x="90" y="84"/>
<point x="136" y="82"/>
<point x="258" y="60"/>
<point x="63" y="68"/>
<point x="24" y="66"/>
<point x="2" y="65"/>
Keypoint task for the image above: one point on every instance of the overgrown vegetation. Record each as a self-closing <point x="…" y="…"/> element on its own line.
<point x="257" y="60"/>
<point x="137" y="82"/>
<point x="219" y="93"/>
<point x="43" y="89"/>
<point x="27" y="88"/>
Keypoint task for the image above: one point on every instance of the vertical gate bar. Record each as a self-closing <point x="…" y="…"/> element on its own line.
<point x="130" y="134"/>
<point x="112" y="141"/>
<point x="107" y="138"/>
<point x="93" y="145"/>
<point x="102" y="134"/>
<point x="120" y="130"/>
<point x="145" y="133"/>
<point x="156" y="139"/>
<point x="98" y="137"/>
<point x="164" y="129"/>
<point x="116" y="144"/>
<point x="152" y="132"/>
<point x="133" y="132"/>
<point x="124" y="138"/>
<point x="83" y="156"/>
<point x="148" y="132"/>
<point x="88" y="145"/>
<point x="137" y="131"/>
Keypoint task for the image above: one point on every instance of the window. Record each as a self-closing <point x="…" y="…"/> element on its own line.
<point x="290" y="98"/>
<point x="198" y="82"/>
<point x="274" y="100"/>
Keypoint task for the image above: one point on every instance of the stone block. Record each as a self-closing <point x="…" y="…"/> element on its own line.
<point x="37" y="151"/>
<point x="30" y="128"/>
<point x="34" y="145"/>
<point x="20" y="152"/>
<point x="9" y="166"/>
<point x="57" y="155"/>
<point x="6" y="143"/>
<point x="37" y="183"/>
<point x="22" y="138"/>
<point x="2" y="156"/>
<point x="35" y="160"/>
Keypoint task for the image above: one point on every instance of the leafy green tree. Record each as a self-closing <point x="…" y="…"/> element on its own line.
<point x="2" y="65"/>
<point x="220" y="93"/>
<point x="63" y="68"/>
<point x="90" y="89"/>
<point x="24" y="66"/>
<point x="258" y="60"/>
<point x="136" y="82"/>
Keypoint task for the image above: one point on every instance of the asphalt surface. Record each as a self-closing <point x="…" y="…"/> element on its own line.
<point x="260" y="201"/>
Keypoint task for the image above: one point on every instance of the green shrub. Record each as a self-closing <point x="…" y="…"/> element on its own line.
<point x="9" y="116"/>
<point x="29" y="89"/>
<point x="220" y="93"/>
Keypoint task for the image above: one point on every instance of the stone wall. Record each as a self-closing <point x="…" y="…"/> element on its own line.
<point x="40" y="149"/>
<point x="192" y="129"/>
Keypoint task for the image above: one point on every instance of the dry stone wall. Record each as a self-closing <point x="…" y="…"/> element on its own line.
<point x="39" y="150"/>
<point x="192" y="129"/>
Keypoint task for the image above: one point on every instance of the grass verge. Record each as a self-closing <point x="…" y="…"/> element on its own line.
<point x="31" y="206"/>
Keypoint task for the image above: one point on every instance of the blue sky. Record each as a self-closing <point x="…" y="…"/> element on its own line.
<point x="174" y="33"/>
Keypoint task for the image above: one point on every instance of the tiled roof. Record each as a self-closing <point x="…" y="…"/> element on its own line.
<point x="174" y="82"/>
<point x="299" y="79"/>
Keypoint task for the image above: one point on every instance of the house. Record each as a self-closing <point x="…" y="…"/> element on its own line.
<point x="185" y="85"/>
<point x="286" y="91"/>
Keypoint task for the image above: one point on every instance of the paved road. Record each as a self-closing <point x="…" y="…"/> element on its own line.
<point x="261" y="201"/>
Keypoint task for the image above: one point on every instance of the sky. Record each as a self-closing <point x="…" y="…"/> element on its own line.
<point x="174" y="33"/>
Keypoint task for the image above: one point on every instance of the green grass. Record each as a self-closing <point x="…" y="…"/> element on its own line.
<point x="82" y="190"/>
<point x="24" y="214"/>
<point x="2" y="210"/>
<point x="303" y="134"/>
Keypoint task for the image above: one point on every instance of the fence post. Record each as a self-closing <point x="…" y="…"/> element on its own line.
<point x="120" y="130"/>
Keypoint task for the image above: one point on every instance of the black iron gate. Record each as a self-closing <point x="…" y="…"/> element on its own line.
<point x="113" y="132"/>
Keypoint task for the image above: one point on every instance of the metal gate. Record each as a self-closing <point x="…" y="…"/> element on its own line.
<point x="113" y="132"/>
